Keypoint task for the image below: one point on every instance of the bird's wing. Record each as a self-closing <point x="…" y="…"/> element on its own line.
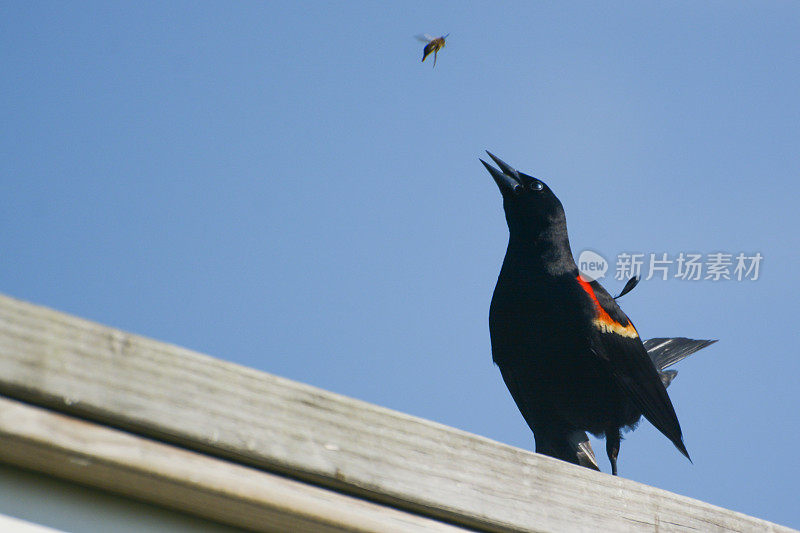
<point x="616" y="340"/>
<point x="424" y="37"/>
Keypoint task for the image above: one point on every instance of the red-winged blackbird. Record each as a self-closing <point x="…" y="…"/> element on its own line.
<point x="570" y="357"/>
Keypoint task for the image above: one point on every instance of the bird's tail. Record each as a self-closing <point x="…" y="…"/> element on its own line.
<point x="666" y="352"/>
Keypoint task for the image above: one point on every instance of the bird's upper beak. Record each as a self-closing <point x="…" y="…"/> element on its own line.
<point x="506" y="178"/>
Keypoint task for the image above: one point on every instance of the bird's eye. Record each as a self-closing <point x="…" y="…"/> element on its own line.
<point x="537" y="185"/>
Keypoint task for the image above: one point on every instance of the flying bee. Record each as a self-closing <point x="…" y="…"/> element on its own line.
<point x="434" y="44"/>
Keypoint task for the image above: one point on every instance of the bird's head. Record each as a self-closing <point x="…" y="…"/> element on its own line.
<point x="532" y="210"/>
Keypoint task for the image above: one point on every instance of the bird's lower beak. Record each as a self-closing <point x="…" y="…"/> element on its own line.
<point x="507" y="178"/>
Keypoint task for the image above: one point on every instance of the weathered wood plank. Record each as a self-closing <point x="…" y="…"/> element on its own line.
<point x="222" y="408"/>
<point x="87" y="453"/>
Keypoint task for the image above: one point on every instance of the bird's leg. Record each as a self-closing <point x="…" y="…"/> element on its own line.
<point x="435" y="52"/>
<point x="612" y="447"/>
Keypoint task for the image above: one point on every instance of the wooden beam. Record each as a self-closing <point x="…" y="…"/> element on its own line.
<point x="198" y="402"/>
<point x="87" y="453"/>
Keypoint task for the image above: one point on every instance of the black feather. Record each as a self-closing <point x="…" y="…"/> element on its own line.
<point x="633" y="282"/>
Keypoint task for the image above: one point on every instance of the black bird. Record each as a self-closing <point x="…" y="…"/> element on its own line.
<point x="570" y="357"/>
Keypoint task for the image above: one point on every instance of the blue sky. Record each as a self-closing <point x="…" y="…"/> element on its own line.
<point x="286" y="186"/>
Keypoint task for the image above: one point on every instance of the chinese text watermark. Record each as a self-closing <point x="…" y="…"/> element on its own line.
<point x="715" y="266"/>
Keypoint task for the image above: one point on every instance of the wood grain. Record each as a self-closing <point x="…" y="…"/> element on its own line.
<point x="87" y="453"/>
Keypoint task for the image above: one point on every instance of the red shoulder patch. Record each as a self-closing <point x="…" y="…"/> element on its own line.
<point x="603" y="320"/>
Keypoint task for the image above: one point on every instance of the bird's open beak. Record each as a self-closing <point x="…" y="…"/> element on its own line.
<point x="506" y="178"/>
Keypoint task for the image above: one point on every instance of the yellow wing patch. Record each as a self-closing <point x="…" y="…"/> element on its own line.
<point x="603" y="320"/>
<point x="611" y="326"/>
